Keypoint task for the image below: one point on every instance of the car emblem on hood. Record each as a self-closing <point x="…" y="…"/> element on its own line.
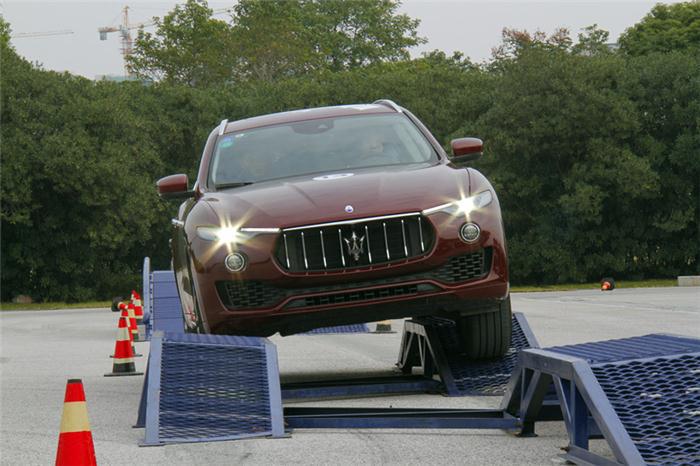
<point x="349" y="209"/>
<point x="355" y="246"/>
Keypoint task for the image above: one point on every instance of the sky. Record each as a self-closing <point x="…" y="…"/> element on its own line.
<point x="472" y="27"/>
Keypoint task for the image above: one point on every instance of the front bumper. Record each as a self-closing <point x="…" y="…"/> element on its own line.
<point x="264" y="299"/>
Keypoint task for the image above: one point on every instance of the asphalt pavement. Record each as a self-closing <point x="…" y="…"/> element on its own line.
<point x="40" y="350"/>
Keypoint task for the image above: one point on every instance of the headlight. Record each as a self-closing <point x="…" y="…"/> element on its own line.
<point x="464" y="205"/>
<point x="231" y="234"/>
<point x="222" y="234"/>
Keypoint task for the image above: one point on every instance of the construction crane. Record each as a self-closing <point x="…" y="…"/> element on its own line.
<point x="22" y="35"/>
<point x="124" y="29"/>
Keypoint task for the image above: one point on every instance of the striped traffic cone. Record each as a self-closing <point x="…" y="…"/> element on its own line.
<point x="123" y="355"/>
<point x="125" y="315"/>
<point x="75" y="447"/>
<point x="138" y="308"/>
<point x="133" y="327"/>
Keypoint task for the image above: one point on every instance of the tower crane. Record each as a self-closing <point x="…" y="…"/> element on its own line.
<point x="124" y="30"/>
<point x="22" y="35"/>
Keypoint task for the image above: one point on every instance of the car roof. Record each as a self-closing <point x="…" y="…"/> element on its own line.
<point x="306" y="114"/>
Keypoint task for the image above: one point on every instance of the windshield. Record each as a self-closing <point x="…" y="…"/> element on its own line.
<point x="323" y="145"/>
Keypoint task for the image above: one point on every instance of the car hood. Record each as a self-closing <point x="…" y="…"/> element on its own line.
<point x="311" y="199"/>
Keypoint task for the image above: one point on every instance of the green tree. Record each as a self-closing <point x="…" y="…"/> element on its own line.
<point x="189" y="47"/>
<point x="665" y="28"/>
<point x="275" y="38"/>
<point x="271" y="40"/>
<point x="78" y="199"/>
<point x="558" y="151"/>
<point x="665" y="88"/>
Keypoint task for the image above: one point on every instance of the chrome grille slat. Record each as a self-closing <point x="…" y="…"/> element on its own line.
<point x="286" y="250"/>
<point x="420" y="234"/>
<point x="386" y="242"/>
<point x="323" y="251"/>
<point x="340" y="240"/>
<point x="369" y="248"/>
<point x="376" y="241"/>
<point x="303" y="248"/>
<point x="403" y="234"/>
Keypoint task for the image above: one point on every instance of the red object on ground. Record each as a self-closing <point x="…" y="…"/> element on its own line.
<point x="75" y="447"/>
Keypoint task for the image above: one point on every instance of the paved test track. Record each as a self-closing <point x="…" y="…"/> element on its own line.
<point x="39" y="350"/>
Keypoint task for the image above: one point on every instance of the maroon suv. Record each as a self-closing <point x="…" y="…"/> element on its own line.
<point x="339" y="215"/>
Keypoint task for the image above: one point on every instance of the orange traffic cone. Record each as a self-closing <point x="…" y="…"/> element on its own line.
<point x="123" y="354"/>
<point x="75" y="447"/>
<point x="133" y="327"/>
<point x="138" y="307"/>
<point x="125" y="315"/>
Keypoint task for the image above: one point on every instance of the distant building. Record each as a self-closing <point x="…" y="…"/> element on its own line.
<point x="115" y="77"/>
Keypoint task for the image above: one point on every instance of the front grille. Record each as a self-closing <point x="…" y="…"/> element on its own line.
<point x="356" y="243"/>
<point x="252" y="294"/>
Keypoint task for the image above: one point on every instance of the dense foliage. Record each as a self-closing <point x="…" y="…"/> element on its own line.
<point x="595" y="154"/>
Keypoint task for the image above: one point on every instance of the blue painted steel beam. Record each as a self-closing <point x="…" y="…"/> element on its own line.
<point x="360" y="387"/>
<point x="388" y="418"/>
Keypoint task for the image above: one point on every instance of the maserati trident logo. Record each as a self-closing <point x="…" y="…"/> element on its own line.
<point x="355" y="246"/>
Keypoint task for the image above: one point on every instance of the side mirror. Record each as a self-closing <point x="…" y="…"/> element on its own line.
<point x="466" y="149"/>
<point x="173" y="187"/>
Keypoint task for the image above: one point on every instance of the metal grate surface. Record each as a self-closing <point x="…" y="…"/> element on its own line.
<point x="356" y="328"/>
<point x="630" y="348"/>
<point x="478" y="378"/>
<point x="658" y="402"/>
<point x="213" y="388"/>
<point x="166" y="309"/>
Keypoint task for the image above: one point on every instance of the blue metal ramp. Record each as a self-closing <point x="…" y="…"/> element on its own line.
<point x="161" y="302"/>
<point x="203" y="388"/>
<point x="641" y="394"/>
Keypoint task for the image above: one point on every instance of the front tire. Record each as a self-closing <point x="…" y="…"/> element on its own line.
<point x="486" y="335"/>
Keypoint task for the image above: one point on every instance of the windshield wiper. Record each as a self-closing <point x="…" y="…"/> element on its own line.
<point x="237" y="184"/>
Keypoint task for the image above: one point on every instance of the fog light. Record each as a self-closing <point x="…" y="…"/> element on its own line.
<point x="469" y="232"/>
<point x="235" y="262"/>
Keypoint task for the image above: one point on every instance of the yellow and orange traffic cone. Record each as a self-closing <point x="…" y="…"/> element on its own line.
<point x="75" y="447"/>
<point x="123" y="355"/>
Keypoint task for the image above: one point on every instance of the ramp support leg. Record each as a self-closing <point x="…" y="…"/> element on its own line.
<point x="533" y="394"/>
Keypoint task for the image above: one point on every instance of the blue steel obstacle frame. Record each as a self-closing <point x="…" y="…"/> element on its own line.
<point x="641" y="394"/>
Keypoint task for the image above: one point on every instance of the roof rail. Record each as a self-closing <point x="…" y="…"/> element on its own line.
<point x="389" y="103"/>
<point x="222" y="126"/>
